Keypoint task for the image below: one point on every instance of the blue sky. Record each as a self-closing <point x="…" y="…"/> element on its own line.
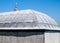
<point x="50" y="7"/>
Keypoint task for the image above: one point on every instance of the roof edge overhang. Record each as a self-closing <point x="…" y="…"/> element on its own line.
<point x="50" y="31"/>
<point x="29" y="30"/>
<point x="23" y="30"/>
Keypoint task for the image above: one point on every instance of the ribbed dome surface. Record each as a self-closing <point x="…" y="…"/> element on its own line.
<point x="27" y="19"/>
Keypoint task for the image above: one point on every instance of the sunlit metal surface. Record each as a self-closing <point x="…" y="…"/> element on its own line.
<point x="27" y="19"/>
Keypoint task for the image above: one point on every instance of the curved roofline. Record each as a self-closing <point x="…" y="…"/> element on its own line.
<point x="39" y="15"/>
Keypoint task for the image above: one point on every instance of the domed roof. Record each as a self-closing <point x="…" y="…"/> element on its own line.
<point x="27" y="19"/>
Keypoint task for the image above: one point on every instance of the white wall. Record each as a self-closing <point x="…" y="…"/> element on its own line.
<point x="52" y="37"/>
<point x="13" y="37"/>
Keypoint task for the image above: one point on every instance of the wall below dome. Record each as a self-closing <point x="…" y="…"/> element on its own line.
<point x="52" y="37"/>
<point x="21" y="37"/>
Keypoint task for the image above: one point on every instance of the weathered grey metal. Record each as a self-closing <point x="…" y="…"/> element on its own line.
<point x="21" y="37"/>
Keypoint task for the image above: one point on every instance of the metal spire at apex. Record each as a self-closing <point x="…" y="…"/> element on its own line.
<point x="16" y="7"/>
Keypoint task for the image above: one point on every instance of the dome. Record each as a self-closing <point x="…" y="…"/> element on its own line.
<point x="27" y="19"/>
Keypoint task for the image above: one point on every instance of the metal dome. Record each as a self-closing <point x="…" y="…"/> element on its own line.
<point x="27" y="19"/>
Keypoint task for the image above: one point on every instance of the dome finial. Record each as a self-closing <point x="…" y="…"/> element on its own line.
<point x="16" y="7"/>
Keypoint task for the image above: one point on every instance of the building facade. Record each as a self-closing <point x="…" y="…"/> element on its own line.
<point x="28" y="26"/>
